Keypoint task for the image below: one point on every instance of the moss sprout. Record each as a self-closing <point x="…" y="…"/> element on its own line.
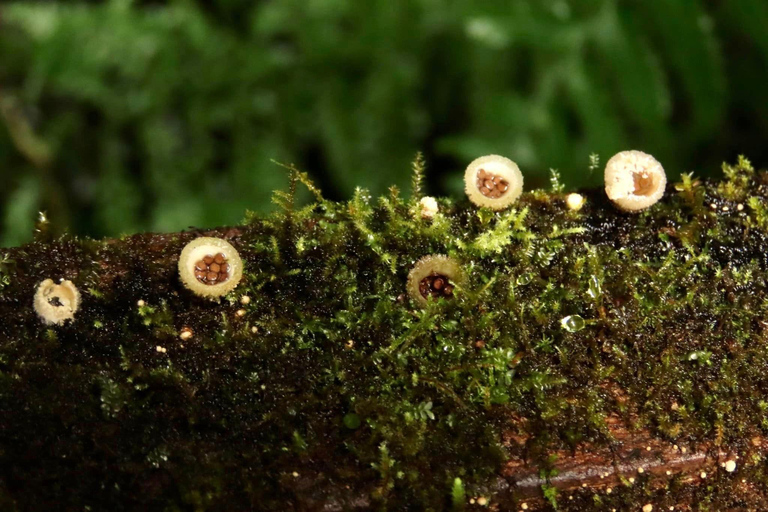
<point x="493" y="181"/>
<point x="434" y="276"/>
<point x="56" y="303"/>
<point x="210" y="267"/>
<point x="634" y="180"/>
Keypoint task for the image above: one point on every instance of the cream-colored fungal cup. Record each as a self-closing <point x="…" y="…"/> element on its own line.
<point x="210" y="267"/>
<point x="56" y="303"/>
<point x="634" y="180"/>
<point x="493" y="181"/>
<point x="434" y="277"/>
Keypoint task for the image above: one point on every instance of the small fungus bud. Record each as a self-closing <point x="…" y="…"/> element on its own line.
<point x="634" y="180"/>
<point x="493" y="181"/>
<point x="186" y="333"/>
<point x="730" y="466"/>
<point x="647" y="508"/>
<point x="575" y="201"/>
<point x="210" y="267"/>
<point x="245" y="300"/>
<point x="428" y="207"/>
<point x="434" y="276"/>
<point x="240" y="313"/>
<point x="56" y="303"/>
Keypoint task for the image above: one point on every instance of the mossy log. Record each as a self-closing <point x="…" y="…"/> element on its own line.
<point x="591" y="360"/>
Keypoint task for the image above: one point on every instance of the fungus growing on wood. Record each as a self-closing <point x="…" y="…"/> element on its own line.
<point x="433" y="277"/>
<point x="493" y="181"/>
<point x="428" y="207"/>
<point x="575" y="201"/>
<point x="56" y="303"/>
<point x="634" y="180"/>
<point x="210" y="267"/>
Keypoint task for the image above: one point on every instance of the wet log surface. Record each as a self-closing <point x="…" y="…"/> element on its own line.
<point x="120" y="410"/>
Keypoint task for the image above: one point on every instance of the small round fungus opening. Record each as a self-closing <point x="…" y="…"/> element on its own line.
<point x="436" y="285"/>
<point x="493" y="181"/>
<point x="210" y="267"/>
<point x="434" y="277"/>
<point x="644" y="184"/>
<point x="491" y="185"/>
<point x="56" y="303"/>
<point x="634" y="180"/>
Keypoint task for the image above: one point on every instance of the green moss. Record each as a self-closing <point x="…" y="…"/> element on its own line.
<point x="333" y="383"/>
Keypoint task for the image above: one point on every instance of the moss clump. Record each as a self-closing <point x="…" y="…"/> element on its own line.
<point x="335" y="390"/>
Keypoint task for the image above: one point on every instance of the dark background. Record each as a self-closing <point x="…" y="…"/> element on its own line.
<point x="120" y="116"/>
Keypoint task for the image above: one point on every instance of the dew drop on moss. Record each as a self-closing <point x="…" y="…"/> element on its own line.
<point x="594" y="287"/>
<point x="572" y="323"/>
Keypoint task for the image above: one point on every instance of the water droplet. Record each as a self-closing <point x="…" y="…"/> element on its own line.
<point x="524" y="279"/>
<point x="573" y="323"/>
<point x="42" y="231"/>
<point x="594" y="290"/>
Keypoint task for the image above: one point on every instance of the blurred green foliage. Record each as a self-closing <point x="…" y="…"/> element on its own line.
<point x="126" y="116"/>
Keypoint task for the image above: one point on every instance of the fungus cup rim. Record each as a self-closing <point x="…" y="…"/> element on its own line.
<point x="620" y="180"/>
<point x="200" y="247"/>
<point x="438" y="263"/>
<point x="501" y="166"/>
<point x="68" y="295"/>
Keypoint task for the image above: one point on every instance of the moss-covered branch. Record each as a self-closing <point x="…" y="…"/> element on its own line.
<point x="578" y="340"/>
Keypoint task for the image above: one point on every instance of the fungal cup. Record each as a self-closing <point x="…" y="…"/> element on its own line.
<point x="210" y="267"/>
<point x="493" y="181"/>
<point x="634" y="180"/>
<point x="56" y="303"/>
<point x="434" y="277"/>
